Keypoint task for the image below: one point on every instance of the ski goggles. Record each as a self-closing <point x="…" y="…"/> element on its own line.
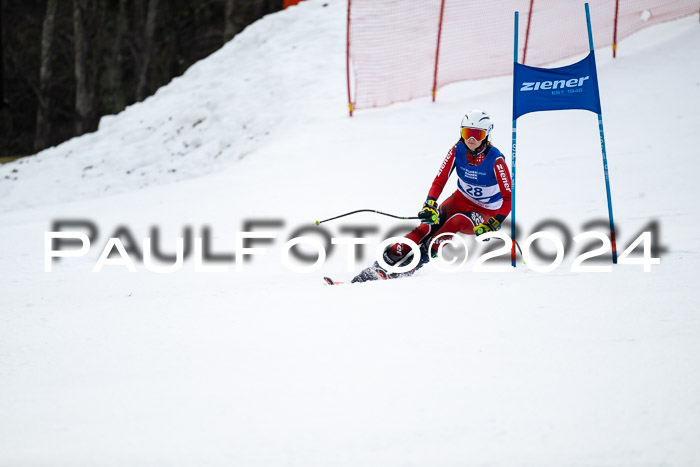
<point x="475" y="133"/>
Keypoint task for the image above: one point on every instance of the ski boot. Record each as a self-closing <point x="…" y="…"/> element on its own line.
<point x="376" y="271"/>
<point x="372" y="273"/>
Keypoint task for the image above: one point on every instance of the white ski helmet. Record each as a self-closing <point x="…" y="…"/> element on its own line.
<point x="478" y="119"/>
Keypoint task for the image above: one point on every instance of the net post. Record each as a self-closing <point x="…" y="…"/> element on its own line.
<point x="614" y="46"/>
<point x="437" y="49"/>
<point x="527" y="30"/>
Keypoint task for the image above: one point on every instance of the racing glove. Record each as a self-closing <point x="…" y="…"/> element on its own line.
<point x="429" y="214"/>
<point x="491" y="225"/>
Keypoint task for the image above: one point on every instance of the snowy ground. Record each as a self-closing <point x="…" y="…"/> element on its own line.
<point x="266" y="367"/>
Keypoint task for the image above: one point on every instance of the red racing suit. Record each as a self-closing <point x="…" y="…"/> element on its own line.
<point x="483" y="191"/>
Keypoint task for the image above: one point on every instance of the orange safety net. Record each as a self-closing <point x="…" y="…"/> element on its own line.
<point x="392" y="48"/>
<point x="392" y="45"/>
<point x="288" y="3"/>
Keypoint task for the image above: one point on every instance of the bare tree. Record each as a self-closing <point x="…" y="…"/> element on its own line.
<point x="230" y="28"/>
<point x="60" y="78"/>
<point x="43" y="122"/>
<point x="84" y="93"/>
<point x="2" y="63"/>
<point x="142" y="88"/>
<point x="112" y="93"/>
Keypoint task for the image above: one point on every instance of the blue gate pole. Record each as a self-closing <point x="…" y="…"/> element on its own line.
<point x="602" y="146"/>
<point x="512" y="216"/>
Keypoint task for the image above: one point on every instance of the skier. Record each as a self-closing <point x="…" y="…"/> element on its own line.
<point x="480" y="204"/>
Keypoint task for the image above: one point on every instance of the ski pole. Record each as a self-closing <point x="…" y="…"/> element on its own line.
<point x="384" y="214"/>
<point x="521" y="251"/>
<point x="364" y="210"/>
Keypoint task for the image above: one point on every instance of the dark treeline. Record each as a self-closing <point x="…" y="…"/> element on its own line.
<point x="68" y="62"/>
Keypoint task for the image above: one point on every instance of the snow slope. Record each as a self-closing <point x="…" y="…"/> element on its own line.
<point x="267" y="367"/>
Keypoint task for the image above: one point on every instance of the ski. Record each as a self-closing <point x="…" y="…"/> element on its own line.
<point x="381" y="276"/>
<point x="374" y="273"/>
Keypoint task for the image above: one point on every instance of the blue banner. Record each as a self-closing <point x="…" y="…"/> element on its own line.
<point x="569" y="87"/>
